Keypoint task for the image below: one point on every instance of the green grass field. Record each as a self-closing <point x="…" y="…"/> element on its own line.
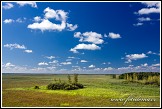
<point x="100" y="91"/>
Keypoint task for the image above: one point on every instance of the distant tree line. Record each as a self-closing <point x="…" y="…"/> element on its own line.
<point x="148" y="77"/>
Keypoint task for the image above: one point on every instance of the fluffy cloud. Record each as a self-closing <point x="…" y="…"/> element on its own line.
<point x="148" y="10"/>
<point x="9" y="65"/>
<point x="42" y="63"/>
<point x="131" y="57"/>
<point x="59" y="15"/>
<point x="37" y="19"/>
<point x="7" y="6"/>
<point x="83" y="61"/>
<point x="150" y="52"/>
<point x="152" y="7"/>
<point x="28" y="51"/>
<point x="138" y="24"/>
<point x="45" y="24"/>
<point x="53" y="62"/>
<point x="11" y="46"/>
<point x="85" y="47"/>
<point x="8" y="21"/>
<point x="144" y="65"/>
<point x="71" y="27"/>
<point x="23" y="3"/>
<point x="156" y="65"/>
<point x="141" y="19"/>
<point x="114" y="35"/>
<point x="151" y="4"/>
<point x="109" y="68"/>
<point x="91" y="37"/>
<point x="19" y="20"/>
<point x="66" y="63"/>
<point x="17" y="46"/>
<point x="50" y="57"/>
<point x="91" y="66"/>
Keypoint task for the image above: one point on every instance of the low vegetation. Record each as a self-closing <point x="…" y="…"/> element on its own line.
<point x="142" y="77"/>
<point x="66" y="86"/>
<point x="18" y="91"/>
<point x="36" y="87"/>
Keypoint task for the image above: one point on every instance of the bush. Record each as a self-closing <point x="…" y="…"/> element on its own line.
<point x="36" y="87"/>
<point x="64" y="86"/>
<point x="75" y="78"/>
<point x="79" y="85"/>
<point x="113" y="76"/>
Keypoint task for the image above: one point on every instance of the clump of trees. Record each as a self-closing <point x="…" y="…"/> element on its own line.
<point x="36" y="87"/>
<point x="143" y="77"/>
<point x="66" y="86"/>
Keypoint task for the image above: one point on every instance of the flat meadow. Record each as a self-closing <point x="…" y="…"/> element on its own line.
<point x="99" y="91"/>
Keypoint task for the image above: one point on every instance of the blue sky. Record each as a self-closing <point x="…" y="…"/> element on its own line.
<point x="80" y="37"/>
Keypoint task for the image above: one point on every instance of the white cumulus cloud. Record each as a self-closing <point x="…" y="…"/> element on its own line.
<point x="37" y="19"/>
<point x="28" y="51"/>
<point x="151" y="4"/>
<point x="9" y="65"/>
<point x="8" y="6"/>
<point x="156" y="65"/>
<point x="11" y="46"/>
<point x="141" y="19"/>
<point x="109" y="68"/>
<point x="151" y="7"/>
<point x="138" y="24"/>
<point x="148" y="10"/>
<point x="53" y="62"/>
<point x="71" y="27"/>
<point x="8" y="21"/>
<point x="66" y="63"/>
<point x="42" y="63"/>
<point x="60" y="15"/>
<point x="50" y="57"/>
<point x="131" y="57"/>
<point x="114" y="35"/>
<point x="85" y="47"/>
<point x="23" y="3"/>
<point x="83" y="61"/>
<point x="45" y="24"/>
<point x="144" y="65"/>
<point x="91" y="66"/>
<point x="91" y="37"/>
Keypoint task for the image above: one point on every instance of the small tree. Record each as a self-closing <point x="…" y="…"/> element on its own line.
<point x="114" y="76"/>
<point x="135" y="77"/>
<point x="75" y="78"/>
<point x="69" y="78"/>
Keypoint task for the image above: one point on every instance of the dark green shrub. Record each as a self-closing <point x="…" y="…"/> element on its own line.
<point x="36" y="87"/>
<point x="113" y="76"/>
<point x="64" y="86"/>
<point x="75" y="78"/>
<point x="78" y="85"/>
<point x="121" y="76"/>
<point x="69" y="78"/>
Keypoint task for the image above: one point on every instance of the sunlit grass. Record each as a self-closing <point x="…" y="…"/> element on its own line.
<point x="98" y="91"/>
